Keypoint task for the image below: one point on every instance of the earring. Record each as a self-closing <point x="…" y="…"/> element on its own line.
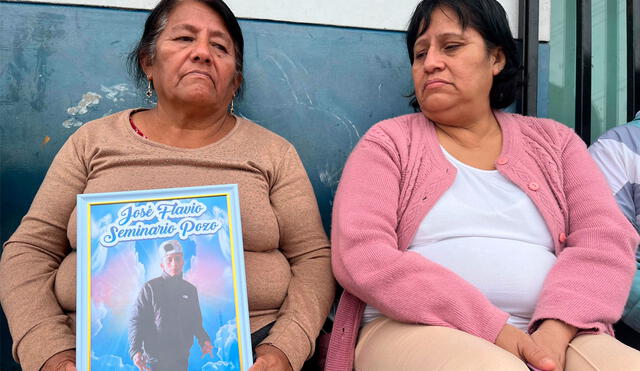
<point x="149" y="91"/>
<point x="232" y="110"/>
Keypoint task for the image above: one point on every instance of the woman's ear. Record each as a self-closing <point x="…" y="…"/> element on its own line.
<point x="237" y="81"/>
<point x="499" y="61"/>
<point x="147" y="67"/>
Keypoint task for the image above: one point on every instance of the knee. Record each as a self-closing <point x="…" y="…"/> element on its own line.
<point x="600" y="352"/>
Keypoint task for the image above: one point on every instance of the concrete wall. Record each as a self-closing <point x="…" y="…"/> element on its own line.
<point x="374" y="14"/>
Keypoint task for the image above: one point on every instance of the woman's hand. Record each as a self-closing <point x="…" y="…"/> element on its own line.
<point x="67" y="366"/>
<point x="554" y="336"/>
<point x="270" y="358"/>
<point x="63" y="361"/>
<point x="522" y="346"/>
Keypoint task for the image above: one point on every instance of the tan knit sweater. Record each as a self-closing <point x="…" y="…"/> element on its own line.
<point x="286" y="251"/>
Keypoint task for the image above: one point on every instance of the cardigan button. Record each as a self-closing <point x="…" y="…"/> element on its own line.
<point x="534" y="186"/>
<point x="562" y="237"/>
<point x="502" y="161"/>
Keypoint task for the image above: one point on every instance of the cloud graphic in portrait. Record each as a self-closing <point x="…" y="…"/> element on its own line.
<point x="226" y="341"/>
<point x="218" y="215"/>
<point x="111" y="363"/>
<point x="98" y="313"/>
<point x="227" y="275"/>
<point x="99" y="256"/>
<point x="218" y="366"/>
<point x="225" y="246"/>
<point x="223" y="238"/>
<point x="204" y="266"/>
<point x="117" y="285"/>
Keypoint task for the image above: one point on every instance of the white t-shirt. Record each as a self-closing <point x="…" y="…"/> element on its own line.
<point x="488" y="231"/>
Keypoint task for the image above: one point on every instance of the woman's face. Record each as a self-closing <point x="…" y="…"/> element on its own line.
<point x="195" y="61"/>
<point x="453" y="70"/>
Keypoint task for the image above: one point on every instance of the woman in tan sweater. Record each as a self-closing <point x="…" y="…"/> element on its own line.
<point x="191" y="55"/>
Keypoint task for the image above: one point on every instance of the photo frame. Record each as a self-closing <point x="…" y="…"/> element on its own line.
<point x="160" y="273"/>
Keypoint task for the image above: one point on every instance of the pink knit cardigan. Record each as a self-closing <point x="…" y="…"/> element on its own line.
<point x="396" y="174"/>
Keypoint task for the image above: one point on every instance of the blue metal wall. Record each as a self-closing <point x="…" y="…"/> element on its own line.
<point x="319" y="87"/>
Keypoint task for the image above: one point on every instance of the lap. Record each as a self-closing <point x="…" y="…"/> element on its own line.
<point x="385" y="344"/>
<point x="600" y="353"/>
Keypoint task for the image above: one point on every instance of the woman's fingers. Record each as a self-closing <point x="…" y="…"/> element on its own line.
<point x="536" y="356"/>
<point x="259" y="365"/>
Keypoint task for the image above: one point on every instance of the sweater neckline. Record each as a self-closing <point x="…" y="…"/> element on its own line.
<point x="510" y="148"/>
<point x="126" y="127"/>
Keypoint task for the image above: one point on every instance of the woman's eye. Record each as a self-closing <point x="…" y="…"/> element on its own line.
<point x="451" y="47"/>
<point x="420" y="55"/>
<point x="184" y="38"/>
<point x="219" y="47"/>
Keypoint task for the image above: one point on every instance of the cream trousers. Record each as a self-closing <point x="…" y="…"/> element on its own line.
<point x="388" y="345"/>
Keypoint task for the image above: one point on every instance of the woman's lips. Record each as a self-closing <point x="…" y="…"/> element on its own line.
<point x="199" y="74"/>
<point x="435" y="83"/>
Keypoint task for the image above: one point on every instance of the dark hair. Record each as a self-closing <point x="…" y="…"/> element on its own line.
<point x="157" y="21"/>
<point x="490" y="20"/>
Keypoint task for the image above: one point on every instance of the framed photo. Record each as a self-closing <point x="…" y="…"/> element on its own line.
<point x="161" y="282"/>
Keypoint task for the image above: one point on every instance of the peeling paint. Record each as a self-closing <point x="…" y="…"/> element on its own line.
<point x="329" y="177"/>
<point x="72" y="122"/>
<point x="116" y="93"/>
<point x="88" y="99"/>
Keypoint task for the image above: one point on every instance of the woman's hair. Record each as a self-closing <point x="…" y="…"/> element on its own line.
<point x="157" y="21"/>
<point x="490" y="20"/>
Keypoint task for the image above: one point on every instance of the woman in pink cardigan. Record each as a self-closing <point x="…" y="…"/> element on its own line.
<point x="467" y="238"/>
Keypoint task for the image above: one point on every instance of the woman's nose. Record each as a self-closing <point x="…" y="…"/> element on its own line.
<point x="433" y="61"/>
<point x="201" y="51"/>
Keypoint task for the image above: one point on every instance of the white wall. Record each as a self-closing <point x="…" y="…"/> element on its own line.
<point x="374" y="14"/>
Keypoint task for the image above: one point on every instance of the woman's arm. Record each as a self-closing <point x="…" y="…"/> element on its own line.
<point x="39" y="326"/>
<point x="305" y="245"/>
<point x="589" y="284"/>
<point x="403" y="285"/>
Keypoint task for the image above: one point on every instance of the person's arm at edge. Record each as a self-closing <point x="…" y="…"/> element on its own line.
<point x="631" y="314"/>
<point x="617" y="154"/>
<point x="31" y="257"/>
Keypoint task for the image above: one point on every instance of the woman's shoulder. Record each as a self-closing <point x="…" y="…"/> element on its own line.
<point x="397" y="130"/>
<point x="252" y="128"/>
<point x="95" y="133"/>
<point x="250" y="134"/>
<point x="539" y="129"/>
<point x="398" y="125"/>
<point x="107" y="125"/>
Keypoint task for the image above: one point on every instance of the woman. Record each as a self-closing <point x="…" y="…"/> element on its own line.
<point x="467" y="238"/>
<point x="191" y="54"/>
